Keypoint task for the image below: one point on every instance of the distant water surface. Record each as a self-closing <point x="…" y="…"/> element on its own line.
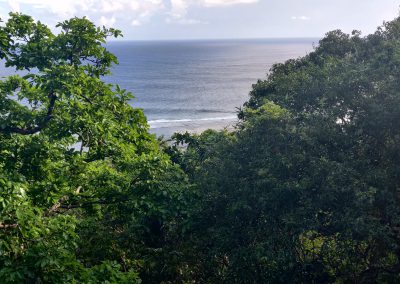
<point x="195" y="85"/>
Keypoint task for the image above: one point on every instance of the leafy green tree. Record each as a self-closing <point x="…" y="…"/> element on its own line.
<point x="86" y="195"/>
<point x="306" y="188"/>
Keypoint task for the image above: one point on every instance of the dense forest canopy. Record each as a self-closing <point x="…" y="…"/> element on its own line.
<point x="305" y="189"/>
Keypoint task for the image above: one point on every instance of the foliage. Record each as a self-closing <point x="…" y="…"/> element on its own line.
<point x="86" y="195"/>
<point x="306" y="188"/>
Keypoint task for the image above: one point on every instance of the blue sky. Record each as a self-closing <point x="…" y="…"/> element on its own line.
<point x="201" y="19"/>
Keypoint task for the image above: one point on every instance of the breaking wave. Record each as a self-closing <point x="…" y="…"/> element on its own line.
<point x="167" y="122"/>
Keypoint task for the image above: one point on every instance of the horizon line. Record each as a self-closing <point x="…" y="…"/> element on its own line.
<point x="217" y="39"/>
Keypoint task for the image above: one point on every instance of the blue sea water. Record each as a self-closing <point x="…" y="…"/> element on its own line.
<point x="195" y="85"/>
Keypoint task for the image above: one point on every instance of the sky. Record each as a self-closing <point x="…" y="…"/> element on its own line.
<point x="214" y="19"/>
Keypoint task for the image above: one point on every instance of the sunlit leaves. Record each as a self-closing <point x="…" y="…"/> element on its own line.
<point x="77" y="162"/>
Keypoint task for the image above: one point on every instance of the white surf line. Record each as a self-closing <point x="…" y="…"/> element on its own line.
<point x="190" y="119"/>
<point x="163" y="123"/>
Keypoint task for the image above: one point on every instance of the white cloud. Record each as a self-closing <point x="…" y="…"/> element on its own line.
<point x="111" y="7"/>
<point x="102" y="11"/>
<point x="135" y="5"/>
<point x="179" y="8"/>
<point x="107" y="21"/>
<point x="136" y="23"/>
<point x="191" y="22"/>
<point x="63" y="8"/>
<point x="108" y="12"/>
<point x="214" y="3"/>
<point x="185" y="21"/>
<point x="142" y="11"/>
<point x="300" y="18"/>
<point x="14" y="5"/>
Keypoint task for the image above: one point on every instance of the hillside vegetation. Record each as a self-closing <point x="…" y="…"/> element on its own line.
<point x="306" y="189"/>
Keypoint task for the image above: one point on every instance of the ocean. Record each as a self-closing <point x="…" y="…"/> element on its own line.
<point x="195" y="85"/>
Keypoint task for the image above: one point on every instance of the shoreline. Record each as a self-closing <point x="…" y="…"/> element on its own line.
<point x="191" y="126"/>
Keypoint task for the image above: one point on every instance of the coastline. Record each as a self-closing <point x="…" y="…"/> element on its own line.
<point x="167" y="128"/>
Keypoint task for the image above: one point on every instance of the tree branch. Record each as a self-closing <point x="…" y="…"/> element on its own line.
<point x="53" y="208"/>
<point x="63" y="199"/>
<point x="86" y="99"/>
<point x="32" y="130"/>
<point x="8" y="226"/>
<point x="97" y="202"/>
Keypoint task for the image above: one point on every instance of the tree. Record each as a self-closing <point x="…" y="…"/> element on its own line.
<point x="86" y="195"/>
<point x="306" y="189"/>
